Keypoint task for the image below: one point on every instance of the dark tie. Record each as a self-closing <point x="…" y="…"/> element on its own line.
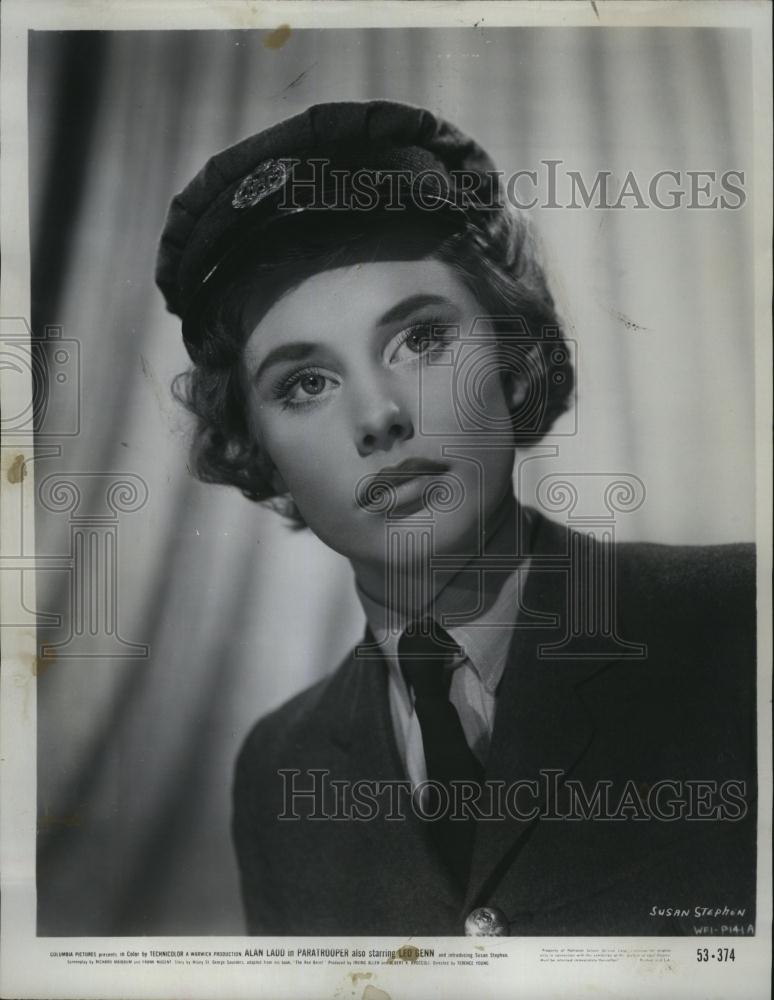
<point x="424" y="652"/>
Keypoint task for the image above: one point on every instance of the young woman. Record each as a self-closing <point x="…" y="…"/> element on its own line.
<point x="373" y="340"/>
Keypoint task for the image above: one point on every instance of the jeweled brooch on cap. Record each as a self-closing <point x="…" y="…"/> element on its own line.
<point x="267" y="178"/>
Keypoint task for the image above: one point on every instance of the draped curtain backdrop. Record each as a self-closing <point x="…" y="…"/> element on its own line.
<point x="237" y="613"/>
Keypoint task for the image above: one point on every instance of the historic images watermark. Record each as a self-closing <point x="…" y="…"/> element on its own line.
<point x="504" y="347"/>
<point x="314" y="795"/>
<point x="90" y="506"/>
<point x="323" y="185"/>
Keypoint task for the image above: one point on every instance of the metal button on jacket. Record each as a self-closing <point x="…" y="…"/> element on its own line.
<point x="486" y="921"/>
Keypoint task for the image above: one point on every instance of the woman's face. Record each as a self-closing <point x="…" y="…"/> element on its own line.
<point x="352" y="393"/>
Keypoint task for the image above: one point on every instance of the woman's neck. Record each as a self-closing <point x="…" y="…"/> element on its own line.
<point x="411" y="589"/>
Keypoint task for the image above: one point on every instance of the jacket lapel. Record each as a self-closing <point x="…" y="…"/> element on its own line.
<point x="541" y="722"/>
<point x="399" y="846"/>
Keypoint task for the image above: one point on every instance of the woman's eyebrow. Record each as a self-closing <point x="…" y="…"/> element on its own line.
<point x="407" y="306"/>
<point x="285" y="352"/>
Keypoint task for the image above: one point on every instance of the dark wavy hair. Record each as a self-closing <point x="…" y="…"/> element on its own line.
<point x="495" y="256"/>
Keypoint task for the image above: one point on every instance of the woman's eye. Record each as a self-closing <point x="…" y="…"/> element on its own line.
<point x="418" y="340"/>
<point x="313" y="385"/>
<point x="303" y="387"/>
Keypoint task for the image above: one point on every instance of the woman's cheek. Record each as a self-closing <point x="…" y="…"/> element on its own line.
<point x="306" y="464"/>
<point x="439" y="411"/>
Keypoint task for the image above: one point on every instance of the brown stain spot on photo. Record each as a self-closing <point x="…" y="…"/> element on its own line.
<point x="41" y="663"/>
<point x="374" y="993"/>
<point x="17" y="470"/>
<point x="357" y="976"/>
<point x="407" y="953"/>
<point x="277" y="38"/>
<point x="72" y="821"/>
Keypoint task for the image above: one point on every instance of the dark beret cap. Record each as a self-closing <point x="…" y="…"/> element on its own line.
<point x="241" y="190"/>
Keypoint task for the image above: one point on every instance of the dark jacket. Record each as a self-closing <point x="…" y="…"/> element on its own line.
<point x="632" y="664"/>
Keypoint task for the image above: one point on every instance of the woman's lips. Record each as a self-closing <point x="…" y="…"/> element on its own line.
<point x="398" y="489"/>
<point x="410" y="495"/>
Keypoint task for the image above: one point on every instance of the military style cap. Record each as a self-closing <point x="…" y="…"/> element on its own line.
<point x="375" y="159"/>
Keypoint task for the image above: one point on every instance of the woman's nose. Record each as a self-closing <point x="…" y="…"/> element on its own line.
<point x="382" y="423"/>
